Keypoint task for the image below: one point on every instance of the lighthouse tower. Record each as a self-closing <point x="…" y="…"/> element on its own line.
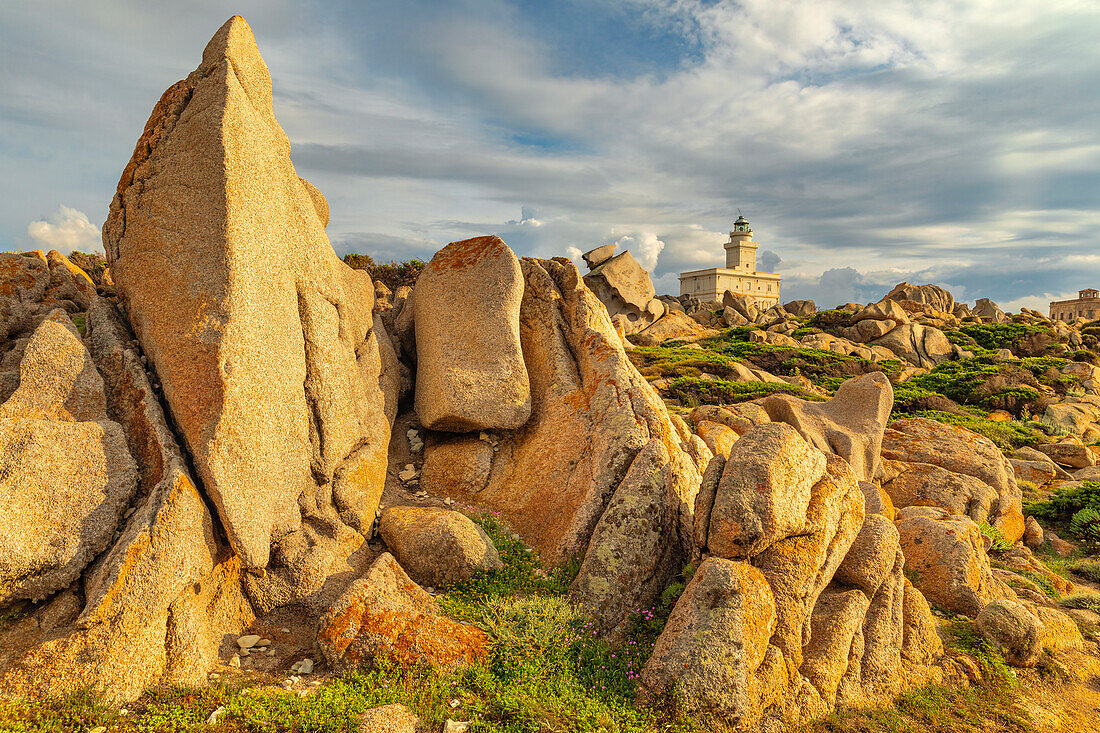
<point x="739" y="276"/>
<point x="740" y="249"/>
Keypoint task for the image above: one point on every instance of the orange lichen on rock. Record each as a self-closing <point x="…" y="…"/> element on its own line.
<point x="385" y="615"/>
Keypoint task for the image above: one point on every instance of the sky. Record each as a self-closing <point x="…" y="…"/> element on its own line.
<point x="868" y="143"/>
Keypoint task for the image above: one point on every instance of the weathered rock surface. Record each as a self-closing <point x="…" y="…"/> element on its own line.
<point x="625" y="288"/>
<point x="66" y="474"/>
<point x="673" y="325"/>
<point x="919" y="440"/>
<point x="850" y="424"/>
<point x="946" y="559"/>
<point x="599" y="255"/>
<point x="263" y="340"/>
<point x="33" y="284"/>
<point x="922" y="346"/>
<point x="1071" y="455"/>
<point x="155" y="605"/>
<point x="386" y="616"/>
<point x="556" y="479"/>
<point x="764" y="492"/>
<point x="843" y="625"/>
<point x="925" y="484"/>
<point x="1013" y="630"/>
<point x="1033" y="534"/>
<point x="437" y="547"/>
<point x="931" y="296"/>
<point x="714" y="648"/>
<point x="470" y="371"/>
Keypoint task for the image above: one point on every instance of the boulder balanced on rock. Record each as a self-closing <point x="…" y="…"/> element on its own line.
<point x="470" y="370"/>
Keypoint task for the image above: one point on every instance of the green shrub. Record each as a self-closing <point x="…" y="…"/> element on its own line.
<point x="693" y="391"/>
<point x="1000" y="544"/>
<point x="1087" y="601"/>
<point x="392" y="274"/>
<point x="1040" y="580"/>
<point x="1000" y="335"/>
<point x="1066" y="502"/>
<point x="1085" y="524"/>
<point x="1087" y="569"/>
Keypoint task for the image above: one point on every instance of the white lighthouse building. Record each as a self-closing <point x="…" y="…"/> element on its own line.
<point x="739" y="276"/>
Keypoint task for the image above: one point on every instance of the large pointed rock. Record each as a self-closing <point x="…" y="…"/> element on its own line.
<point x="262" y="338"/>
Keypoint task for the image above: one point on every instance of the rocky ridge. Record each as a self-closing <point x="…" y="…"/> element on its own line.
<point x="246" y="428"/>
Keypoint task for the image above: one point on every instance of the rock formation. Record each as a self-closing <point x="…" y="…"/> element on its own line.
<point x="598" y="464"/>
<point x="262" y="358"/>
<point x="210" y="448"/>
<point x="470" y="372"/>
<point x="624" y="287"/>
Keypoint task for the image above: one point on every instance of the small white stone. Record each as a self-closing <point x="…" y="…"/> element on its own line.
<point x="271" y="653"/>
<point x="455" y="726"/>
<point x="246" y="652"/>
<point x="212" y="719"/>
<point x="214" y="675"/>
<point x="448" y="501"/>
<point x="235" y="661"/>
<point x="285" y="630"/>
<point x="305" y="666"/>
<point x="123" y="711"/>
<point x="99" y="729"/>
<point x="454" y="704"/>
<point x="247" y="641"/>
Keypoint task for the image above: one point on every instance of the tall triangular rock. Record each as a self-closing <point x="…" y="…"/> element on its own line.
<point x="262" y="338"/>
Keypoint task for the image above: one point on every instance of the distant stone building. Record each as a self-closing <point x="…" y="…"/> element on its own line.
<point x="739" y="276"/>
<point x="1087" y="305"/>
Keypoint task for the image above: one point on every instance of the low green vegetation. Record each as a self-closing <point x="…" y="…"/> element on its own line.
<point x="999" y="543"/>
<point x="1087" y="601"/>
<point x="706" y="373"/>
<point x="1086" y="568"/>
<point x="1005" y="434"/>
<point x="1065" y="502"/>
<point x="692" y="391"/>
<point x="548" y="670"/>
<point x="1000" y="335"/>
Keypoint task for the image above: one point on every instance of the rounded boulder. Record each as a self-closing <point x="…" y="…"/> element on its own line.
<point x="437" y="547"/>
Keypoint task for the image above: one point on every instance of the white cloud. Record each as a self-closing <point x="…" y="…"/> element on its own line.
<point x="645" y="248"/>
<point x="66" y="230"/>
